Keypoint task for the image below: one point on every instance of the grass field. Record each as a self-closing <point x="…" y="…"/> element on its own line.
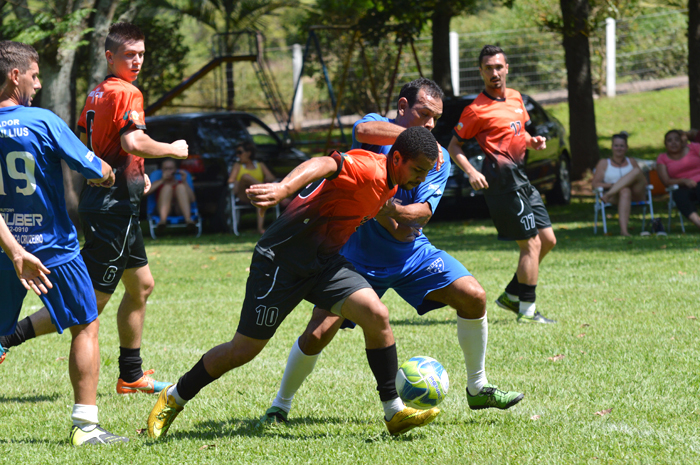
<point x="626" y="340"/>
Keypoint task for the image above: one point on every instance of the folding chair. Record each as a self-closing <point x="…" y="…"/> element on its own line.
<point x="600" y="206"/>
<point x="671" y="205"/>
<point x="237" y="206"/>
<point x="175" y="222"/>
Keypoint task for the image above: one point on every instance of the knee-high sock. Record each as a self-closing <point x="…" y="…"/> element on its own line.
<point x="299" y="367"/>
<point x="473" y="336"/>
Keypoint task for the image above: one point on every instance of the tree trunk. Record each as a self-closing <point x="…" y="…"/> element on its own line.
<point x="102" y="19"/>
<point x="441" y="47"/>
<point x="582" y="129"/>
<point x="694" y="61"/>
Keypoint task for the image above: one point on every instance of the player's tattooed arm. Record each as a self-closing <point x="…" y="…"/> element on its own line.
<point x="400" y="232"/>
<point x="268" y="195"/>
<point x="30" y="271"/>
<point x="476" y="179"/>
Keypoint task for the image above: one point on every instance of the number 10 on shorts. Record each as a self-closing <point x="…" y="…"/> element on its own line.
<point x="267" y="316"/>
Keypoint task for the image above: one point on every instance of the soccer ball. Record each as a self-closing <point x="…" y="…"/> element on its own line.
<point x="422" y="382"/>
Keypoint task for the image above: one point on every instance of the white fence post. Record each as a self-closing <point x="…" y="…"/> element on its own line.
<point x="297" y="111"/>
<point x="610" y="48"/>
<point x="454" y="62"/>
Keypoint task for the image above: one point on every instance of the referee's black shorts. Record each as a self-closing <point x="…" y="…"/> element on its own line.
<point x="518" y="215"/>
<point x="113" y="243"/>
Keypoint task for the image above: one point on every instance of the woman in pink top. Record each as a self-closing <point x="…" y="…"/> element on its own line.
<point x="681" y="165"/>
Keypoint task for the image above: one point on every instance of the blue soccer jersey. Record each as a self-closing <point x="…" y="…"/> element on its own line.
<point x="33" y="141"/>
<point x="372" y="245"/>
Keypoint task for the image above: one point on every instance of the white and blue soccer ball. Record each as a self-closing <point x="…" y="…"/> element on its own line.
<point x="422" y="382"/>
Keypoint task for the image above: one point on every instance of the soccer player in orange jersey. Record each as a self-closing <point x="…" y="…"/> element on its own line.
<point x="298" y="259"/>
<point x="497" y="119"/>
<point x="112" y="125"/>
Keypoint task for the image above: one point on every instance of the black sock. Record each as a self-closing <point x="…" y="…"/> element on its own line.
<point x="23" y="332"/>
<point x="512" y="288"/>
<point x="384" y="365"/>
<point x="527" y="293"/>
<point x="194" y="381"/>
<point x="130" y="365"/>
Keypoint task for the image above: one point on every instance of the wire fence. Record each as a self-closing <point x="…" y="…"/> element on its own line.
<point x="647" y="47"/>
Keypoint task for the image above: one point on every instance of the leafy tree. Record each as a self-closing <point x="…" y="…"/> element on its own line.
<point x="693" y="60"/>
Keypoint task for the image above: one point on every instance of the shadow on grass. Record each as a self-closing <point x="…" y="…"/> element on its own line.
<point x="52" y="442"/>
<point x="212" y="430"/>
<point x="421" y="322"/>
<point x="29" y="399"/>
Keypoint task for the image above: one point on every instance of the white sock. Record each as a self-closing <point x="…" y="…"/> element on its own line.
<point x="473" y="336"/>
<point x="392" y="407"/>
<point x="172" y="391"/>
<point x="299" y="367"/>
<point x="527" y="308"/>
<point x="512" y="297"/>
<point x="84" y="416"/>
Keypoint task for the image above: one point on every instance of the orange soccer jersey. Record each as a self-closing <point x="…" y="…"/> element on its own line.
<point x="321" y="218"/>
<point x="499" y="127"/>
<point x="114" y="107"/>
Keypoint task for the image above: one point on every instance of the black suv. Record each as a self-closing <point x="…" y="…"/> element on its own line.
<point x="212" y="139"/>
<point x="548" y="169"/>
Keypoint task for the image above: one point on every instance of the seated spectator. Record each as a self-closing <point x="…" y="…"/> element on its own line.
<point x="174" y="196"/>
<point x="680" y="165"/>
<point x="247" y="172"/>
<point x="622" y="179"/>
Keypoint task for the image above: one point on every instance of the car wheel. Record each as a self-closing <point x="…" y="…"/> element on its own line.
<point x="561" y="193"/>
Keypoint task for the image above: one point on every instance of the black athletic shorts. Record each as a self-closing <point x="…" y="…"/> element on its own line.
<point x="272" y="292"/>
<point x="519" y="214"/>
<point x="113" y="243"/>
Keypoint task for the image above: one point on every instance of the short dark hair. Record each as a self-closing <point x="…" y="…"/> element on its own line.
<point x="15" y="55"/>
<point x="121" y="33"/>
<point x="621" y="135"/>
<point x="248" y="146"/>
<point x="414" y="142"/>
<point x="672" y="131"/>
<point x="491" y="50"/>
<point x="430" y="87"/>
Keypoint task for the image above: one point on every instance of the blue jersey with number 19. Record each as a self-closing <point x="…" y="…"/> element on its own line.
<point x="33" y="141"/>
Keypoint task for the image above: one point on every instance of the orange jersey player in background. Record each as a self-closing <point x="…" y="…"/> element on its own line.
<point x="112" y="125"/>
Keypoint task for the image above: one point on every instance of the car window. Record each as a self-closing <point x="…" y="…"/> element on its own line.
<point x="221" y="135"/>
<point x="169" y="132"/>
<point x="260" y="134"/>
<point x="537" y="114"/>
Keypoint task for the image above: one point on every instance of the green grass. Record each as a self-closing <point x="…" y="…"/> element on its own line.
<point x="623" y="306"/>
<point x="645" y="116"/>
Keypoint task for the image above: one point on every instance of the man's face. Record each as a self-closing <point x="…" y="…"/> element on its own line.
<point x="28" y="85"/>
<point x="424" y="112"/>
<point x="126" y="62"/>
<point x="493" y="71"/>
<point x="410" y="173"/>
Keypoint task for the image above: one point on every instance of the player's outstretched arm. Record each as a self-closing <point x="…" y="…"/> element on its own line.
<point x="378" y="132"/>
<point x="30" y="271"/>
<point x="476" y="179"/>
<point x="138" y="143"/>
<point x="268" y="195"/>
<point x="415" y="215"/>
<point x="107" y="179"/>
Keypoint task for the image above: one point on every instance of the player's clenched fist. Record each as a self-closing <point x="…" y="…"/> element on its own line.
<point x="179" y="149"/>
<point x="266" y="195"/>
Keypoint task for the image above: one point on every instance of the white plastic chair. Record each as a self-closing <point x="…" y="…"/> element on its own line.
<point x="237" y="207"/>
<point x="671" y="204"/>
<point x="600" y="206"/>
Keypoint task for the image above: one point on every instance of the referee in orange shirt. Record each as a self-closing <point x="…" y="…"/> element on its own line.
<point x="497" y="119"/>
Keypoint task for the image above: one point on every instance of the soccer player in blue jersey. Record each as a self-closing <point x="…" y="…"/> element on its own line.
<point x="33" y="142"/>
<point x="392" y="252"/>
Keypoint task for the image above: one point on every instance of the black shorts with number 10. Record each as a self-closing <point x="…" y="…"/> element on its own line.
<point x="272" y="292"/>
<point x="518" y="215"/>
<point x="113" y="243"/>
